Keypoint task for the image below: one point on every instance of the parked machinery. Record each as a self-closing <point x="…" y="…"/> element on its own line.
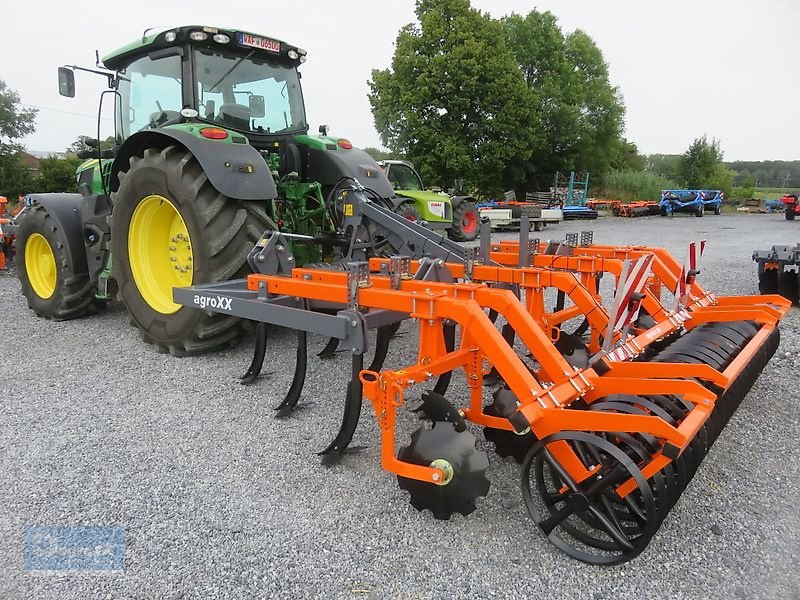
<point x="213" y="147"/>
<point x="457" y="214"/>
<point x="791" y="208"/>
<point x="692" y="201"/>
<point x="778" y="270"/>
<point x="610" y="418"/>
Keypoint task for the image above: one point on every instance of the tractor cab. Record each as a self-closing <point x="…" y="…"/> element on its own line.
<point x="232" y="79"/>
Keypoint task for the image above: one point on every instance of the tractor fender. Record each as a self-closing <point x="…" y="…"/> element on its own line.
<point x="329" y="166"/>
<point x="235" y="170"/>
<point x="456" y="200"/>
<point x="65" y="210"/>
<point x="397" y="201"/>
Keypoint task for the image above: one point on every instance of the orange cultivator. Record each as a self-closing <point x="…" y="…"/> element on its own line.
<point x="610" y="420"/>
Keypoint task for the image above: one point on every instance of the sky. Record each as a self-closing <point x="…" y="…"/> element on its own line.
<point x="727" y="69"/>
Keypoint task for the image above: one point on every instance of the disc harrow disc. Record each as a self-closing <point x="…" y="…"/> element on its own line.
<point x="507" y="443"/>
<point x="456" y="449"/>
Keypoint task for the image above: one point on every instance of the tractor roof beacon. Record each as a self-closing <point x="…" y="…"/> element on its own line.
<point x="212" y="148"/>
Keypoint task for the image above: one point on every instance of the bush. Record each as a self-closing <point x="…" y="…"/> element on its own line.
<point x="634" y="185"/>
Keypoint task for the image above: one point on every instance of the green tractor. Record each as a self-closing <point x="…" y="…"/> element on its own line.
<point x="212" y="148"/>
<point x="457" y="214"/>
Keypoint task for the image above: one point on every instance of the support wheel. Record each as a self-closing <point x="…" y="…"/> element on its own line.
<point x="700" y="210"/>
<point x="453" y="452"/>
<point x="587" y="519"/>
<point x="466" y="222"/>
<point x="789" y="213"/>
<point x="171" y="228"/>
<point x="50" y="285"/>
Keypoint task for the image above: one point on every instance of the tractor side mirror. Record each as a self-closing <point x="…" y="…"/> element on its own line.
<point x="66" y="82"/>
<point x="257" y="107"/>
<point x="323" y="129"/>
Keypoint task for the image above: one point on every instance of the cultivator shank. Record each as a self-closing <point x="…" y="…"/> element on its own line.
<point x="610" y="420"/>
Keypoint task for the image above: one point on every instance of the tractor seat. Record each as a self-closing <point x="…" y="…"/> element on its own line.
<point x="160" y="117"/>
<point x="234" y="115"/>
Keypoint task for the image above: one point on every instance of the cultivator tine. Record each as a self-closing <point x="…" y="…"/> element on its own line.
<point x="352" y="411"/>
<point x="285" y="408"/>
<point x="260" y="351"/>
<point x="382" y="339"/>
<point x="329" y="351"/>
<point x="443" y="382"/>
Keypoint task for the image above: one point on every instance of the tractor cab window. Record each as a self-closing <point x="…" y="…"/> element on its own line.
<point x="248" y="93"/>
<point x="150" y="91"/>
<point x="402" y="177"/>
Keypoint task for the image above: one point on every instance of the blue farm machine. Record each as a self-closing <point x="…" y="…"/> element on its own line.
<point x="696" y="202"/>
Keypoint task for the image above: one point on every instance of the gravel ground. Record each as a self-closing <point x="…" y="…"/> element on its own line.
<point x="220" y="500"/>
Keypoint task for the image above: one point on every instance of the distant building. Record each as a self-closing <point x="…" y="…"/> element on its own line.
<point x="31" y="163"/>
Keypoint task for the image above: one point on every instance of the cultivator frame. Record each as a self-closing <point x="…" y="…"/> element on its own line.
<point x="608" y="432"/>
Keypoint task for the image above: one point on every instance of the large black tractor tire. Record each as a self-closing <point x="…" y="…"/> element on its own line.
<point x="466" y="222"/>
<point x="52" y="289"/>
<point x="171" y="228"/>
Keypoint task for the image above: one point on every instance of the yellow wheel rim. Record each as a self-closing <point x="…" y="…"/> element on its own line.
<point x="40" y="264"/>
<point x="159" y="252"/>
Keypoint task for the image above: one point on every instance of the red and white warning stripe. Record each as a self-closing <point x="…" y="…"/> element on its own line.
<point x="696" y="250"/>
<point x="626" y="305"/>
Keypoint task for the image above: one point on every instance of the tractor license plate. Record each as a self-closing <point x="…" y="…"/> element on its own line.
<point x="437" y="208"/>
<point x="253" y="41"/>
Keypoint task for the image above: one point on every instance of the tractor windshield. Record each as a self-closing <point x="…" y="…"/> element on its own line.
<point x="248" y="93"/>
<point x="403" y="177"/>
<point x="150" y="93"/>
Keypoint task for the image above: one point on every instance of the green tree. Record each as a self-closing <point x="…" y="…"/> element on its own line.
<point x="699" y="165"/>
<point x="378" y="154"/>
<point x="15" y="123"/>
<point x="665" y="165"/>
<point x="627" y="157"/>
<point x="81" y="144"/>
<point x="454" y="100"/>
<point x="581" y="112"/>
<point x="58" y="174"/>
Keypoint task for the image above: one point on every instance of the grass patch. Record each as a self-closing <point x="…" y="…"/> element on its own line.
<point x="774" y="192"/>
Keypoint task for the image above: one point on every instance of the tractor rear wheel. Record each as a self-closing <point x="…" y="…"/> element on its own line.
<point x="466" y="222"/>
<point x="171" y="228"/>
<point x="50" y="286"/>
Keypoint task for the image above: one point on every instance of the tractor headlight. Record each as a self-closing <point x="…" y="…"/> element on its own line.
<point x="170" y="36"/>
<point x="221" y="38"/>
<point x="198" y="36"/>
<point x="293" y="54"/>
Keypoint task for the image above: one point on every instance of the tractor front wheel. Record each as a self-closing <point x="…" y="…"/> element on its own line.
<point x="171" y="228"/>
<point x="466" y="222"/>
<point x="48" y="282"/>
<point x="407" y="210"/>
